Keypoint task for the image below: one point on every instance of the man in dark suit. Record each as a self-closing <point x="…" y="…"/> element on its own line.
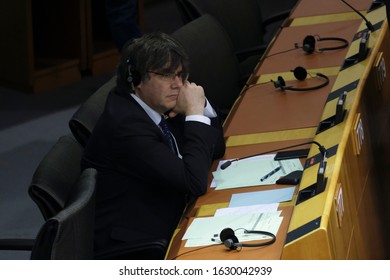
<point x="146" y="174"/>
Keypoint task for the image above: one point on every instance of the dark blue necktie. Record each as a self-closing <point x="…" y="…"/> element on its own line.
<point x="167" y="133"/>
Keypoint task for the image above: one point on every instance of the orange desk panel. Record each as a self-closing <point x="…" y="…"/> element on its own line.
<point x="278" y="60"/>
<point x="263" y="108"/>
<point x="307" y="8"/>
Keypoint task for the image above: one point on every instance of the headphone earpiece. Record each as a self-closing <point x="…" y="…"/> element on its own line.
<point x="133" y="76"/>
<point x="279" y="83"/>
<point x="300" y="74"/>
<point x="309" y="43"/>
<point x="230" y="240"/>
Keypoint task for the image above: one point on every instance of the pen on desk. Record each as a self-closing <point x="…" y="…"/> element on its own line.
<point x="270" y="173"/>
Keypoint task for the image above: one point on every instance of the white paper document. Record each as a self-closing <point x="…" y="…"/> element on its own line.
<point x="251" y="209"/>
<point x="254" y="171"/>
<point x="262" y="197"/>
<point x="203" y="230"/>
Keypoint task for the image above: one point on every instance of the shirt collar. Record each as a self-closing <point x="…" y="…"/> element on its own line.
<point x="155" y="116"/>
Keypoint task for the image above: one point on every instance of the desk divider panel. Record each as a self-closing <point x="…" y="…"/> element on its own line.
<point x="351" y="181"/>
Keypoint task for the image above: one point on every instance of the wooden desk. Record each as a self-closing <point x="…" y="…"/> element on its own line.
<point x="346" y="220"/>
<point x="206" y="206"/>
<point x="260" y="107"/>
<point x="279" y="59"/>
<point x="314" y="12"/>
<point x="309" y="8"/>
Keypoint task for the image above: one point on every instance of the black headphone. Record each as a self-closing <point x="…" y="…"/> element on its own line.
<point x="309" y="43"/>
<point x="300" y="74"/>
<point x="230" y="240"/>
<point x="134" y="77"/>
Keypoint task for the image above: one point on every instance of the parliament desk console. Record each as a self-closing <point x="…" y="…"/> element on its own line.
<point x="345" y="215"/>
<point x="347" y="220"/>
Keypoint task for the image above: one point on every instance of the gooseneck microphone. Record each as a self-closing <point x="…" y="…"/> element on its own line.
<point x="320" y="147"/>
<point x="368" y="23"/>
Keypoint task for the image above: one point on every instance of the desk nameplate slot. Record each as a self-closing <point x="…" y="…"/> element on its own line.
<point x="347" y="88"/>
<point x="302" y="230"/>
<point x="318" y="157"/>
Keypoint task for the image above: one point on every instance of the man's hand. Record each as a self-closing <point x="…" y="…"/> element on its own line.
<point x="190" y="100"/>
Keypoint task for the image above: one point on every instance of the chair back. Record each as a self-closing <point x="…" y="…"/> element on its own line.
<point x="242" y="19"/>
<point x="69" y="234"/>
<point x="187" y="12"/>
<point x="213" y="64"/>
<point x="55" y="175"/>
<point x="84" y="119"/>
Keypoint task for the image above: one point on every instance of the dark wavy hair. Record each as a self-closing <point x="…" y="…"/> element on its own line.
<point x="152" y="52"/>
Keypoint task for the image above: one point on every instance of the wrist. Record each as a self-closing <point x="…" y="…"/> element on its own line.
<point x="199" y="118"/>
<point x="195" y="111"/>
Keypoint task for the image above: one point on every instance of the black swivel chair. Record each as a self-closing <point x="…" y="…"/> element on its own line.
<point x="53" y="188"/>
<point x="243" y="21"/>
<point x="68" y="234"/>
<point x="213" y="64"/>
<point x="187" y="13"/>
<point x="84" y="119"/>
<point x="55" y="176"/>
<point x="52" y="182"/>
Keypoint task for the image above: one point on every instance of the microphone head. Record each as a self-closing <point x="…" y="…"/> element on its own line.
<point x="226" y="164"/>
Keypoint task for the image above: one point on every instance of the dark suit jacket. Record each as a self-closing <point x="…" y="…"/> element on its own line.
<point x="142" y="186"/>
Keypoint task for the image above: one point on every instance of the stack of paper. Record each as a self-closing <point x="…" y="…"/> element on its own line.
<point x="254" y="211"/>
<point x="250" y="211"/>
<point x="254" y="171"/>
<point x="205" y="231"/>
